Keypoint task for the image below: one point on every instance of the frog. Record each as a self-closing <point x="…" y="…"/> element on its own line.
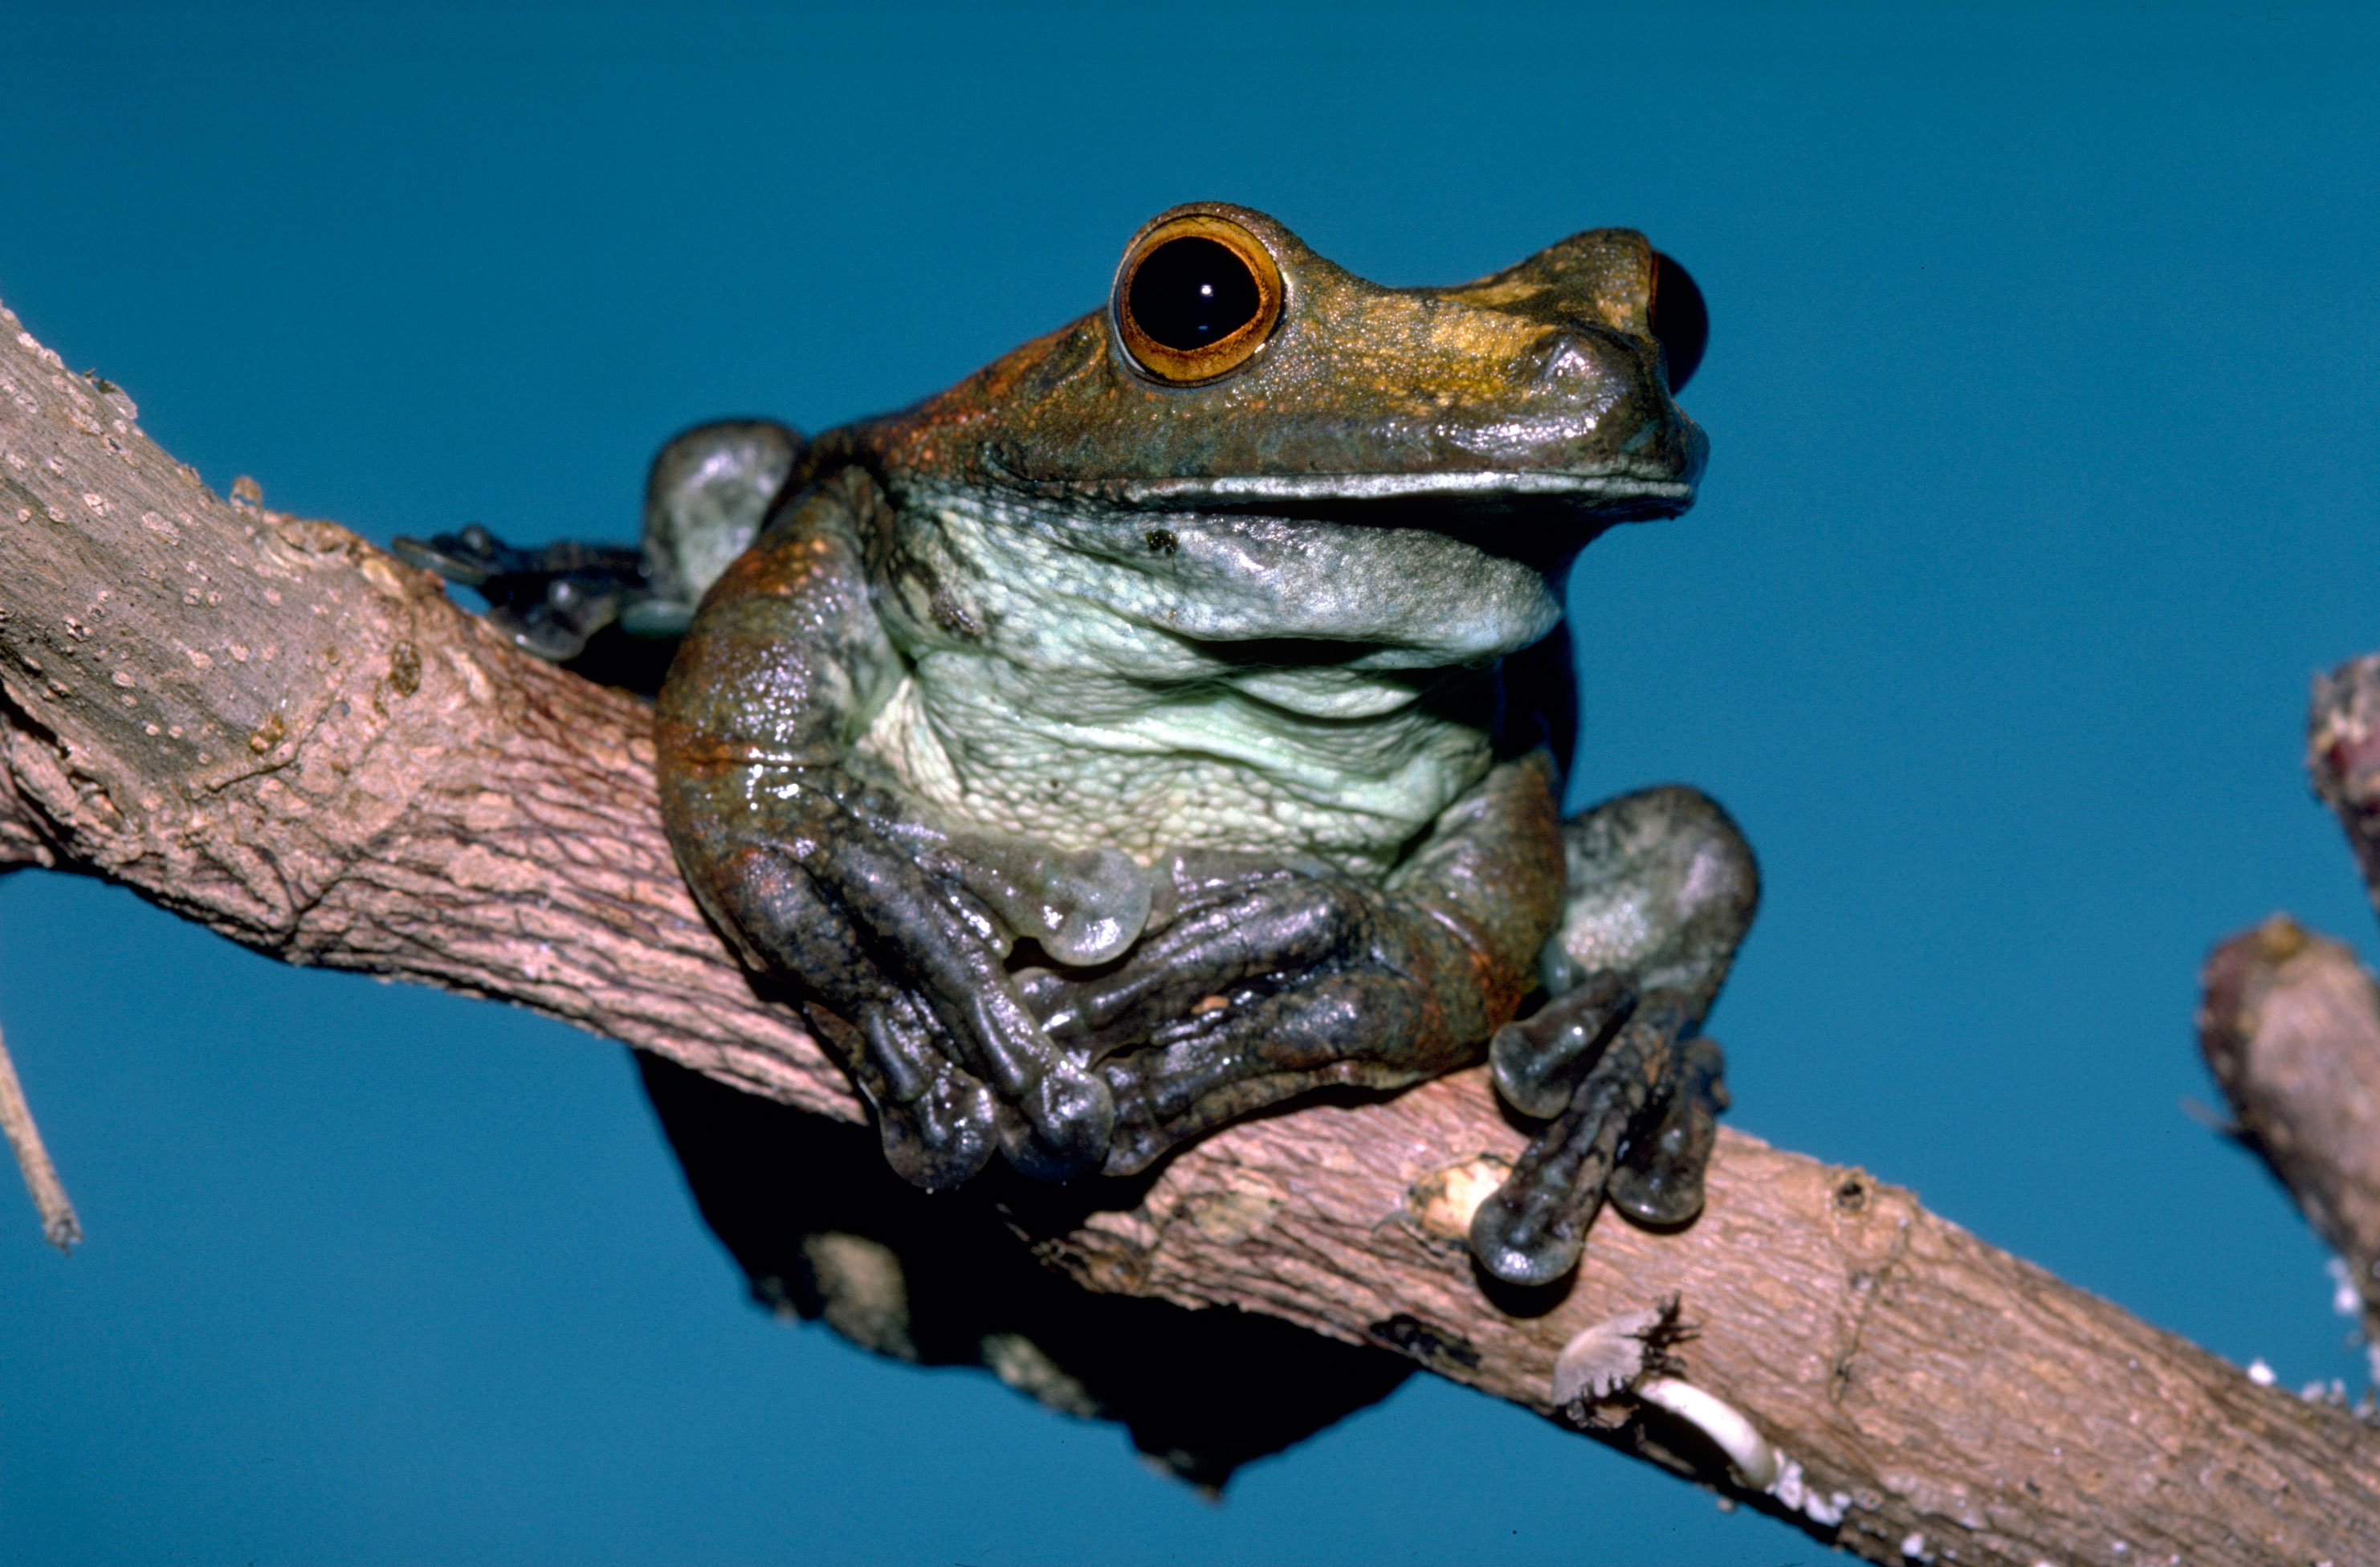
<point x="1167" y="723"/>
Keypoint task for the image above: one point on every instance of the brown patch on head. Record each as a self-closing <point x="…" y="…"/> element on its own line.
<point x="1548" y="368"/>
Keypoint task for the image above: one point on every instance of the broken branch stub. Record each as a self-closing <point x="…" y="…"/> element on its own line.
<point x="2343" y="757"/>
<point x="2290" y="1026"/>
<point x="266" y="724"/>
<point x="2290" y="1021"/>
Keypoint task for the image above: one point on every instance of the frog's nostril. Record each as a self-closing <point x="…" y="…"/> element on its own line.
<point x="1562" y="356"/>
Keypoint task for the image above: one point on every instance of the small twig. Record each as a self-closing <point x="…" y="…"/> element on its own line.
<point x="2206" y="1115"/>
<point x="59" y="1225"/>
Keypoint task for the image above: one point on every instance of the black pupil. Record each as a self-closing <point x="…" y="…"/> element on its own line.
<point x="1190" y="292"/>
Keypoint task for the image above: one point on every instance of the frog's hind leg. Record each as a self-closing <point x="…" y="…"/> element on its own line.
<point x="1660" y="890"/>
<point x="612" y="613"/>
<point x="550" y="600"/>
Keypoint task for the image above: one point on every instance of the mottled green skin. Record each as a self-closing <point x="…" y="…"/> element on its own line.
<point x="1233" y="697"/>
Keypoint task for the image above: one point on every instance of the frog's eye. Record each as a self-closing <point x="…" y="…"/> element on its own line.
<point x="1195" y="298"/>
<point x="1681" y="321"/>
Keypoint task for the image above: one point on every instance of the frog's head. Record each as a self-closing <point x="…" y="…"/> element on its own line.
<point x="1234" y="373"/>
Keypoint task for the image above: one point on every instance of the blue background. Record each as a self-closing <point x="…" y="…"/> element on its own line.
<point x="2044" y="473"/>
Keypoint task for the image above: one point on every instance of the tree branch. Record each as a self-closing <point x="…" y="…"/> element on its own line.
<point x="266" y="725"/>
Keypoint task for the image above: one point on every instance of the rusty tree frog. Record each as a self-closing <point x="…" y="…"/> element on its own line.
<point x="1167" y="720"/>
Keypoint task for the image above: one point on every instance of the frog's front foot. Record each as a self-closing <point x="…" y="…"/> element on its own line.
<point x="1637" y="1125"/>
<point x="1266" y="981"/>
<point x="1261" y="979"/>
<point x="1661" y="889"/>
<point x="900" y="929"/>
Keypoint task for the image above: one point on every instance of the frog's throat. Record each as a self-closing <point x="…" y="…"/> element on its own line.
<point x="1161" y="594"/>
<point x="1219" y="773"/>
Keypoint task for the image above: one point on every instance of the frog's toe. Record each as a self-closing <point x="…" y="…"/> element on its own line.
<point x="938" y="1140"/>
<point x="1659" y="1177"/>
<point x="469" y="557"/>
<point x="935" y="1119"/>
<point x="1537" y="1060"/>
<point x="1533" y="1229"/>
<point x="1061" y="1127"/>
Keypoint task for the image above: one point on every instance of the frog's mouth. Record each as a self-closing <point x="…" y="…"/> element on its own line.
<point x="1542" y="520"/>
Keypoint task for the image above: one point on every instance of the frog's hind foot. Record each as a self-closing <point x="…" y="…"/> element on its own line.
<point x="549" y="601"/>
<point x="1637" y="1125"/>
<point x="612" y="613"/>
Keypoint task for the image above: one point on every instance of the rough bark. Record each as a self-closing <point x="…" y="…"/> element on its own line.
<point x="268" y="725"/>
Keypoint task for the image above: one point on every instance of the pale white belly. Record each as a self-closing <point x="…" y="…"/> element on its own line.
<point x="1112" y="678"/>
<point x="1081" y="761"/>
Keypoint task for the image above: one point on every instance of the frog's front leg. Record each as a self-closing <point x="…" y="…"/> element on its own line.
<point x="897" y="924"/>
<point x="1660" y="888"/>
